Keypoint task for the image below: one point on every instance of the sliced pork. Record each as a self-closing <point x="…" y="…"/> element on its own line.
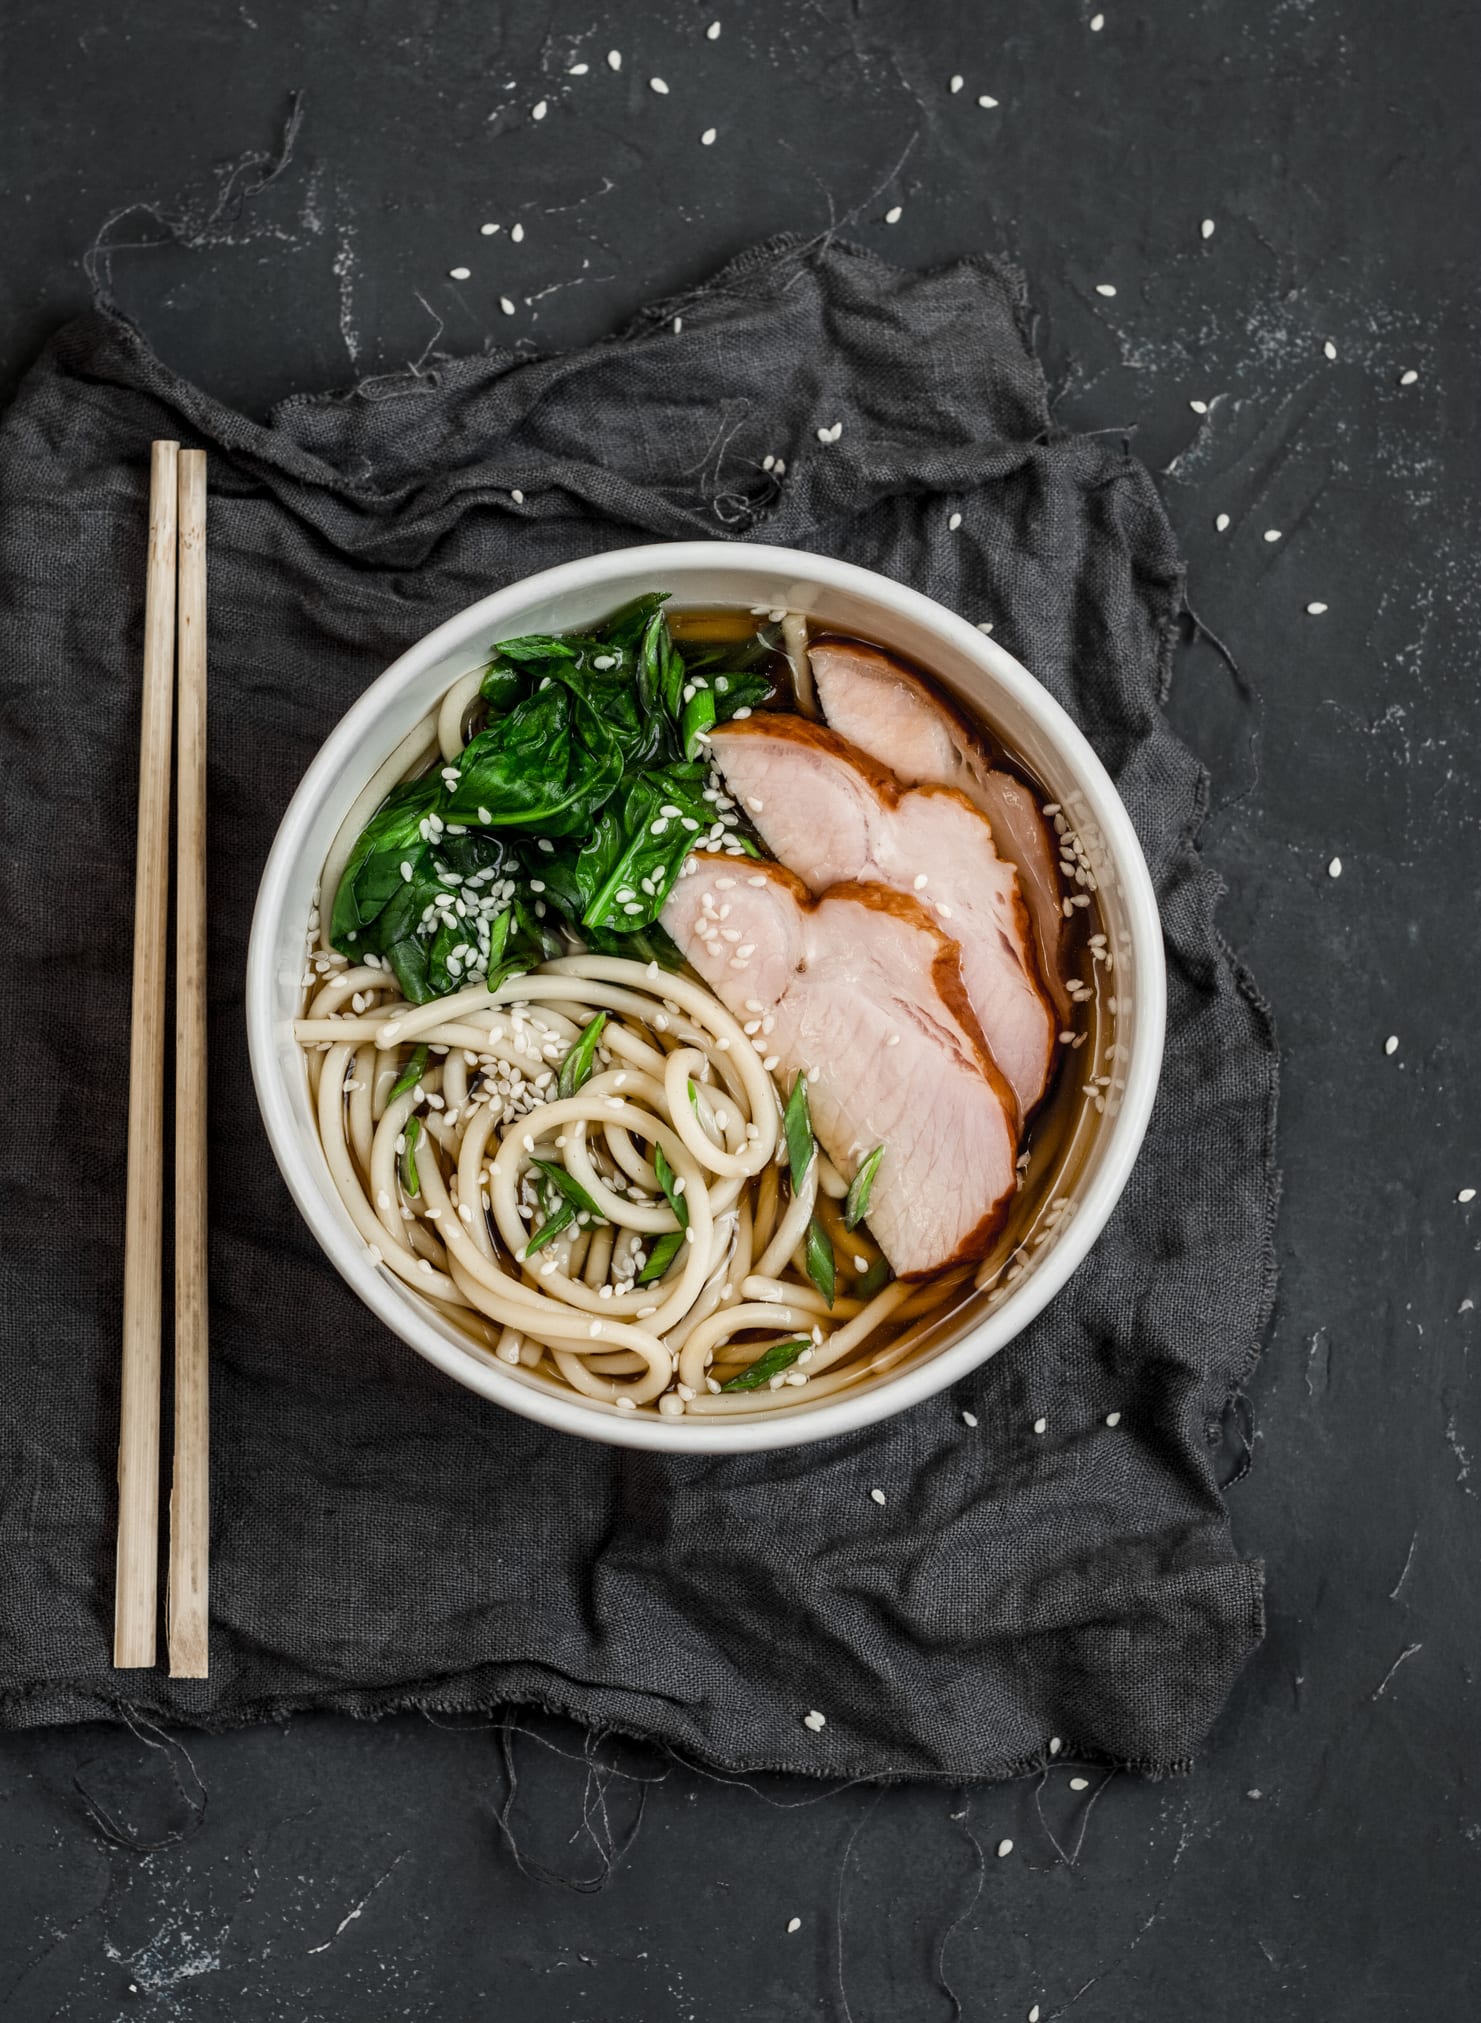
<point x="880" y="705"/>
<point x="863" y="990"/>
<point x="832" y="815"/>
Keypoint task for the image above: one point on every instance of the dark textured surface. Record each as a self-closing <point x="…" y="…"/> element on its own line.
<point x="1331" y="145"/>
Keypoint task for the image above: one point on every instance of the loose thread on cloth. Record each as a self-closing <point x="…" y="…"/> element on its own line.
<point x="190" y="225"/>
<point x="174" y="1751"/>
<point x="964" y="1821"/>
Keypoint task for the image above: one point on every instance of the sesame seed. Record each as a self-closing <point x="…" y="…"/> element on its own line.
<point x="1408" y="378"/>
<point x="893" y="1040"/>
<point x="1391" y="1044"/>
<point x="506" y="305"/>
<point x="458" y="273"/>
<point x="578" y="70"/>
<point x="1105" y="288"/>
<point x="1097" y="23"/>
<point x="707" y="138"/>
<point x="987" y="103"/>
<point x="488" y="231"/>
<point x="1033" y="2014"/>
<point x="1079" y="1784"/>
<point x="754" y="805"/>
<point x="771" y="1063"/>
<point x="1041" y="1425"/>
<point x="1199" y="406"/>
<point x="1221" y="523"/>
<point x="516" y="233"/>
<point x="541" y="109"/>
<point x="1272" y="533"/>
<point x="614" y="59"/>
<point x="712" y="33"/>
<point x="1207" y="228"/>
<point x="657" y="84"/>
<point x="1113" y="1418"/>
<point x="953" y="523"/>
<point x="893" y="215"/>
<point x="1055" y="1745"/>
<point x="956" y="84"/>
<point x="814" y="1720"/>
<point x="793" y="1924"/>
<point x="1466" y="1194"/>
<point x="1330" y="349"/>
<point x="876" y="1496"/>
<point x="1004" y="1847"/>
<point x="969" y="1418"/>
<point x="1315" y="610"/>
<point x="518" y="496"/>
<point x="1334" y="869"/>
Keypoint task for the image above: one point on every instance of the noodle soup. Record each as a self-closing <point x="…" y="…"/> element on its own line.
<point x="565" y="1099"/>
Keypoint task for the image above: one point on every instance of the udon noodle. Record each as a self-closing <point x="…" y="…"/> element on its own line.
<point x="675" y="1072"/>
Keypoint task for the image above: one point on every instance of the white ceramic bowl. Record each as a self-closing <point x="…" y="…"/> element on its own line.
<point x="839" y="596"/>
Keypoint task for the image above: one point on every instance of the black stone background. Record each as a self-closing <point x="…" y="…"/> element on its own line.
<point x="1325" y="1860"/>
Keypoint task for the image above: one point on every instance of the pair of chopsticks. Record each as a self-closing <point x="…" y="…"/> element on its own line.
<point x="174" y="667"/>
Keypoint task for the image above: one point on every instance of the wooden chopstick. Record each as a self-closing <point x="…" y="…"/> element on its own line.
<point x="187" y="1607"/>
<point x="136" y="1590"/>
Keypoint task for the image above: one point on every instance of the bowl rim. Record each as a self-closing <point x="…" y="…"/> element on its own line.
<point x="846" y="1413"/>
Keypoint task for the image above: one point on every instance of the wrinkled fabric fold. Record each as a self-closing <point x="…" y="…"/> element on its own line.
<point x="381" y="1539"/>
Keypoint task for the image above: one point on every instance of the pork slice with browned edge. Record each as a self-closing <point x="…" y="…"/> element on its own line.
<point x="883" y="707"/>
<point x="832" y="815"/>
<point x="863" y="992"/>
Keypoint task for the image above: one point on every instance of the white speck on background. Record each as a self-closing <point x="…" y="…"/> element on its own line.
<point x="1334" y="869"/>
<point x="1315" y="610"/>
